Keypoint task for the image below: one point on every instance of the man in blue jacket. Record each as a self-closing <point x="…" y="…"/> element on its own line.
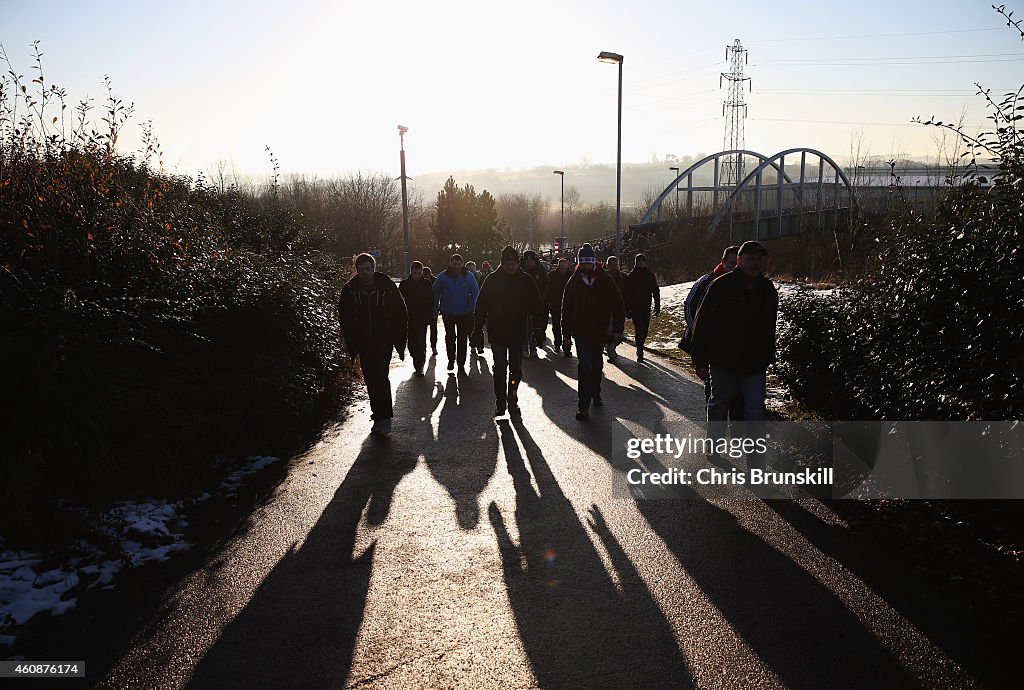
<point x="455" y="293"/>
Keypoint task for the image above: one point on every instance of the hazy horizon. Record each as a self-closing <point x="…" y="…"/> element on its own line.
<point x="497" y="88"/>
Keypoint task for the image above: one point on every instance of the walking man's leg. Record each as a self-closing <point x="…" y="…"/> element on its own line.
<point x="418" y="345"/>
<point x="449" y="339"/>
<point x="433" y="334"/>
<point x="556" y="326"/>
<point x="464" y="324"/>
<point x="375" y="365"/>
<point x="500" y="353"/>
<point x="515" y="377"/>
<point x="752" y="389"/>
<point x="724" y="384"/>
<point x="641" y="326"/>
<point x="584" y="372"/>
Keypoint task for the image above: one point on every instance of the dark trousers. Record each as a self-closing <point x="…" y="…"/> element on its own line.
<point x="418" y="342"/>
<point x="375" y="363"/>
<point x="590" y="355"/>
<point x="556" y="323"/>
<point x="641" y="326"/>
<point x="433" y="332"/>
<point x="507" y="357"/>
<point x="735" y="406"/>
<point x="456" y="334"/>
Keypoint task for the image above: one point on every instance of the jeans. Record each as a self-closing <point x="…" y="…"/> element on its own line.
<point x="528" y="343"/>
<point x="418" y="343"/>
<point x="590" y="356"/>
<point x="507" y="357"/>
<point x="556" y="323"/>
<point x="610" y="347"/>
<point x="375" y="363"/>
<point x="457" y="328"/>
<point x="433" y="332"/>
<point x="725" y="385"/>
<point x="641" y="326"/>
<point x="735" y="407"/>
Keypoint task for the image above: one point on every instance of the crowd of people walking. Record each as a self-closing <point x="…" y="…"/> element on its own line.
<point x="730" y="323"/>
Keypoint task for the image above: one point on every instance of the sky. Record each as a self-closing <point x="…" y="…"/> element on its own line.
<point x="485" y="85"/>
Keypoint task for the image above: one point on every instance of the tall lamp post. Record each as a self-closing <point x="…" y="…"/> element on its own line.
<point x="676" y="171"/>
<point x="405" y="202"/>
<point x="561" y="174"/>
<point x="615" y="58"/>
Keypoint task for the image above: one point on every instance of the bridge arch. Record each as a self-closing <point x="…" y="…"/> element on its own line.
<point x="754" y="184"/>
<point x="716" y="187"/>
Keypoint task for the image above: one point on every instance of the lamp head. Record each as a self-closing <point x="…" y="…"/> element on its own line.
<point x="558" y="172"/>
<point x="611" y="58"/>
<point x="402" y="130"/>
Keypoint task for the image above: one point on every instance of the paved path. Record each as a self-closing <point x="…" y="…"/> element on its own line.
<point x="470" y="552"/>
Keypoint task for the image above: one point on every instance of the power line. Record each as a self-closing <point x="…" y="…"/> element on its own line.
<point x="869" y="64"/>
<point x="841" y="38"/>
<point x="850" y="122"/>
<point x="896" y="57"/>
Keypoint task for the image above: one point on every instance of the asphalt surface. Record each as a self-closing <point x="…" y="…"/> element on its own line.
<point x="472" y="552"/>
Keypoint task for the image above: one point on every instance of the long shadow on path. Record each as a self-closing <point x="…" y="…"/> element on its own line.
<point x="798" y="627"/>
<point x="577" y="627"/>
<point x="300" y="626"/>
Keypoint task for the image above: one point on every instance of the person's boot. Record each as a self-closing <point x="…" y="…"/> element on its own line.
<point x="513" y="401"/>
<point x="640" y="356"/>
<point x="597" y="401"/>
<point x="499" y="408"/>
<point x="582" y="413"/>
<point x="385" y="427"/>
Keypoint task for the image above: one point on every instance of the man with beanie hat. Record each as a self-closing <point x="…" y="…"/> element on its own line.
<point x="590" y="302"/>
<point x="507" y="298"/>
<point x="535" y="328"/>
<point x="639" y="287"/>
<point x="734" y="342"/>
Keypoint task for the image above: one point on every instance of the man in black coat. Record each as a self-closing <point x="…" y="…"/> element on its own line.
<point x="418" y="294"/>
<point x="591" y="301"/>
<point x="507" y="298"/>
<point x="374" y="321"/>
<point x="734" y="341"/>
<point x="557" y="280"/>
<point x="638" y="289"/>
<point x="536" y="328"/>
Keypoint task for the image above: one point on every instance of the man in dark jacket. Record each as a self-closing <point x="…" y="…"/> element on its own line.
<point x="553" y="299"/>
<point x="455" y="292"/>
<point x="693" y="299"/>
<point x="618" y="277"/>
<point x="591" y="301"/>
<point x="419" y="301"/>
<point x="638" y="288"/>
<point x="536" y="327"/>
<point x="734" y="341"/>
<point x="373" y="322"/>
<point x="508" y="297"/>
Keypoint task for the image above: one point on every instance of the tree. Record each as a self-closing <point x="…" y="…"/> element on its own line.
<point x="468" y="223"/>
<point x="524" y="215"/>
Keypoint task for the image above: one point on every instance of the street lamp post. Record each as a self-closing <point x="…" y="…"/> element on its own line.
<point x="561" y="174"/>
<point x="615" y="58"/>
<point x="405" y="202"/>
<point x="676" y="171"/>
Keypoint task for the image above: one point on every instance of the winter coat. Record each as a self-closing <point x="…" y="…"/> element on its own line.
<point x="692" y="301"/>
<point x="540" y="277"/>
<point x="419" y="299"/>
<point x="618" y="278"/>
<point x="455" y="295"/>
<point x="735" y="327"/>
<point x="382" y="321"/>
<point x="556" y="288"/>
<point x="639" y="287"/>
<point x="503" y="305"/>
<point x="587" y="309"/>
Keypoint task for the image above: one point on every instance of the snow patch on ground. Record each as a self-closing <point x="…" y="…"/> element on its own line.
<point x="133" y="534"/>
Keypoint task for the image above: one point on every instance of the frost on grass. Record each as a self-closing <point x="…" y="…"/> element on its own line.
<point x="132" y="534"/>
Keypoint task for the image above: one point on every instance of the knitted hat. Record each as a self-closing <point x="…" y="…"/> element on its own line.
<point x="529" y="254"/>
<point x="586" y="255"/>
<point x="509" y="254"/>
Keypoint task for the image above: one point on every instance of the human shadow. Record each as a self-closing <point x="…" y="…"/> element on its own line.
<point x="577" y="628"/>
<point x="299" y="628"/>
<point x="797" y="626"/>
<point x="464" y="456"/>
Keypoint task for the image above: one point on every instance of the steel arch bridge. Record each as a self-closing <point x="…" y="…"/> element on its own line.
<point x="768" y="202"/>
